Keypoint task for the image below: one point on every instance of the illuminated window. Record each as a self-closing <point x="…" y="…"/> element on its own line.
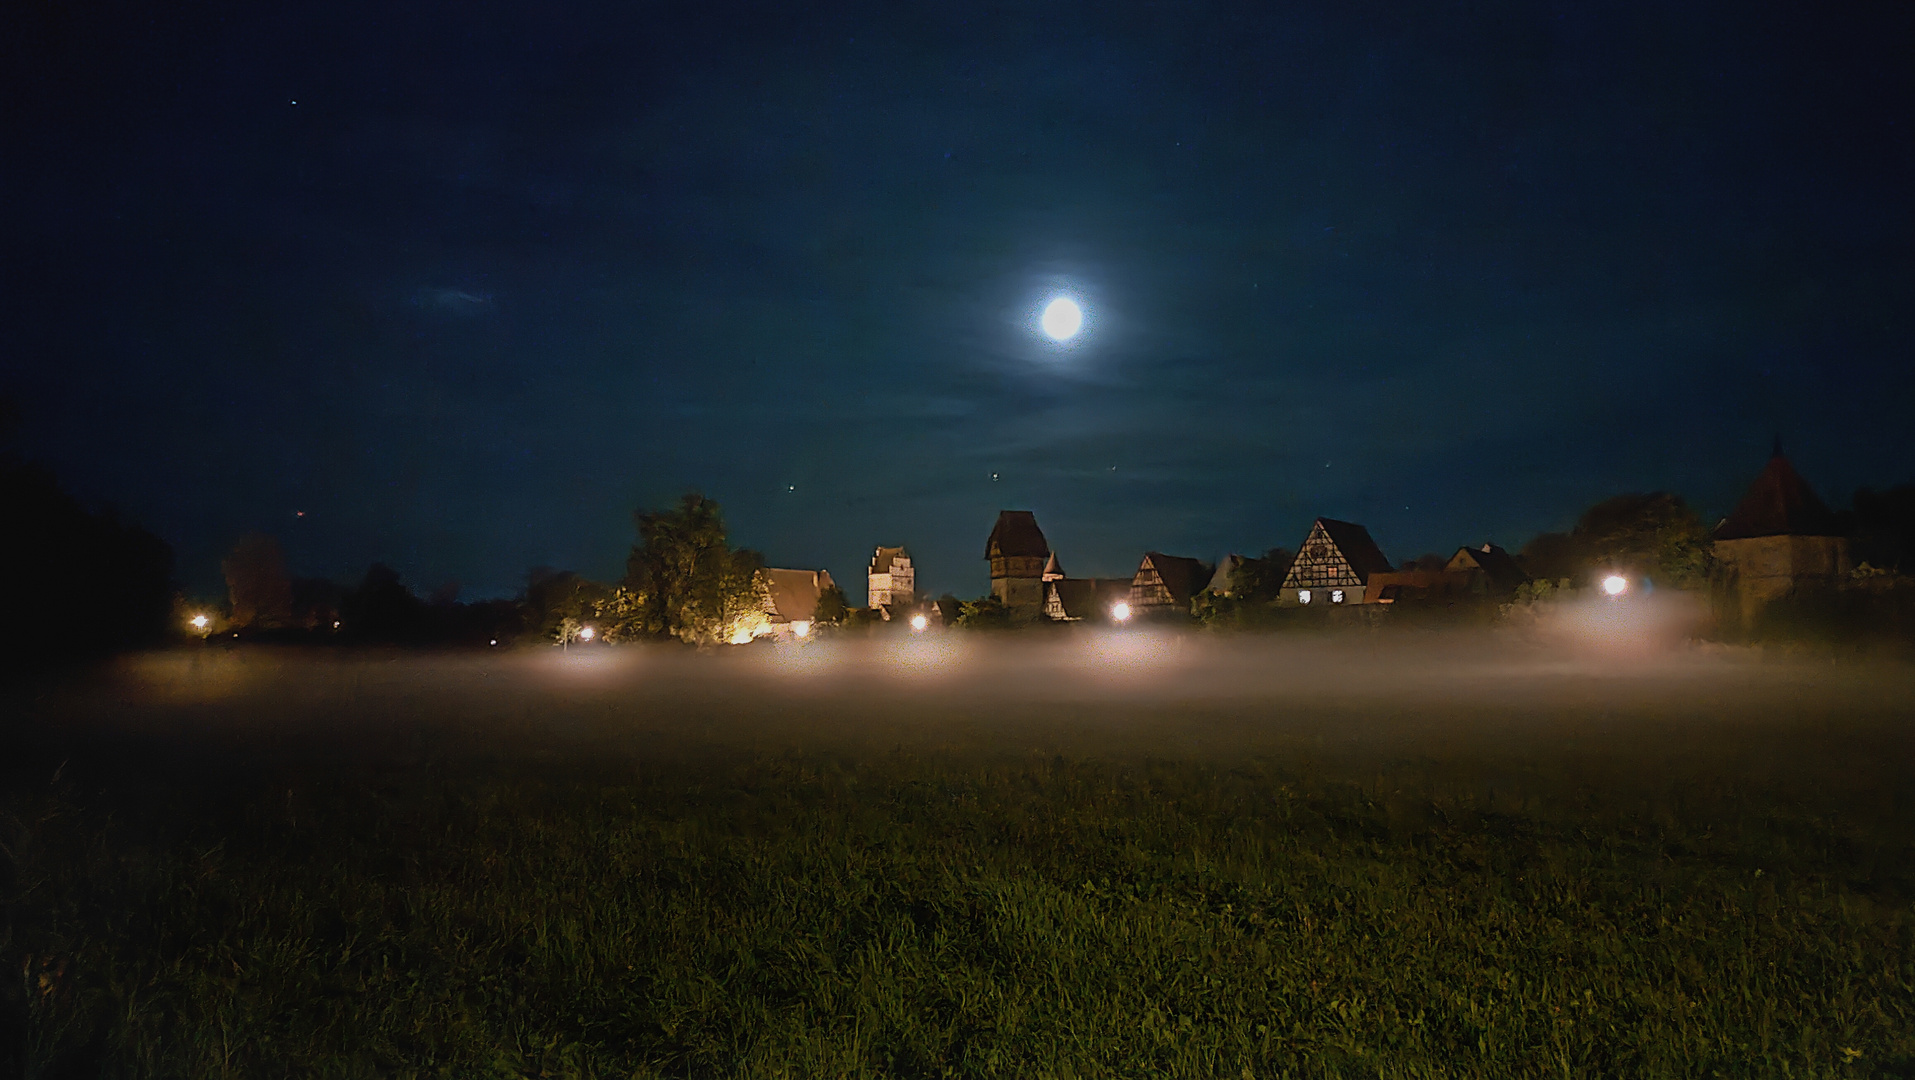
<point x="1336" y="596"/>
<point x="1303" y="596"/>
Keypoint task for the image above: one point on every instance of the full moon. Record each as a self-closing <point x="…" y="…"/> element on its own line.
<point x="1062" y="318"/>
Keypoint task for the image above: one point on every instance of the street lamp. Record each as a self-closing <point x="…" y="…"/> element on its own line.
<point x="200" y="623"/>
<point x="1120" y="611"/>
<point x="586" y="633"/>
<point x="1615" y="585"/>
<point x="918" y="623"/>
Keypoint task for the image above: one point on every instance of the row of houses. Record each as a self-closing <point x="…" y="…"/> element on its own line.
<point x="1337" y="564"/>
<point x="1781" y="539"/>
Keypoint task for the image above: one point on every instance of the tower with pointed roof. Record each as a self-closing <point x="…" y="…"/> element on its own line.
<point x="1018" y="554"/>
<point x="1781" y="540"/>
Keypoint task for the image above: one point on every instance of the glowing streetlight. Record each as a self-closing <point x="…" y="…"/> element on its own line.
<point x="201" y="622"/>
<point x="1615" y="585"/>
<point x="1120" y="611"/>
<point x="801" y="629"/>
<point x="918" y="623"/>
<point x="586" y="633"/>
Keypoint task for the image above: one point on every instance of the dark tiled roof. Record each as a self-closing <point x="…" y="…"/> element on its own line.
<point x="795" y="593"/>
<point x="1779" y="503"/>
<point x="1183" y="578"/>
<point x="881" y="562"/>
<point x="1090" y="598"/>
<point x="1495" y="563"/>
<point x="1016" y="534"/>
<point x="1361" y="552"/>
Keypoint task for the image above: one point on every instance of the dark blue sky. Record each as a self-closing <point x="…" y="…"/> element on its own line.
<point x="466" y="283"/>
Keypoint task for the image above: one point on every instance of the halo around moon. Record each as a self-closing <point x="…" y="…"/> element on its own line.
<point x="1062" y="319"/>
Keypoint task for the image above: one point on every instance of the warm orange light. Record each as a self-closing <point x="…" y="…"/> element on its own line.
<point x="201" y="622"/>
<point x="802" y="629"/>
<point x="1120" y="611"/>
<point x="919" y="622"/>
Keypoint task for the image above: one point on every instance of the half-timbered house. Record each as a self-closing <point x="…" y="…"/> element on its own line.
<point x="1167" y="583"/>
<point x="1333" y="565"/>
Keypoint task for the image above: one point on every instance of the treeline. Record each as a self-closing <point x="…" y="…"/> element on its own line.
<point x="87" y="583"/>
<point x="683" y="581"/>
<point x="83" y="584"/>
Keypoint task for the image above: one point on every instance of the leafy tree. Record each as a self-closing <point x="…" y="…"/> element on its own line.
<point x="258" y="590"/>
<point x="984" y="613"/>
<point x="1259" y="580"/>
<point x="82" y="583"/>
<point x="832" y="607"/>
<point x="1550" y="556"/>
<point x="553" y="597"/>
<point x="1655" y="534"/>
<point x="685" y="581"/>
<point x="383" y="609"/>
<point x="1885" y="528"/>
<point x="1658" y="534"/>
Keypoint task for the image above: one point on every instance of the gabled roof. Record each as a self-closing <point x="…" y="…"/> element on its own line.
<point x="1779" y="503"/>
<point x="1016" y="534"/>
<point x="1089" y="598"/>
<point x="1054" y="570"/>
<point x="1498" y="565"/>
<point x="1225" y="579"/>
<point x="795" y="593"/>
<point x="881" y="562"/>
<point x="1183" y="578"/>
<point x="1358" y="549"/>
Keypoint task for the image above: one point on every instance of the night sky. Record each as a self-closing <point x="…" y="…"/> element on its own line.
<point x="463" y="284"/>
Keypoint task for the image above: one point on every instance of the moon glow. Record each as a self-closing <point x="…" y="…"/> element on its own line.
<point x="1062" y="318"/>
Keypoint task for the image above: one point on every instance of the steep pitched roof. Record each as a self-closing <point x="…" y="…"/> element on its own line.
<point x="1016" y="534"/>
<point x="1498" y="565"/>
<point x="1054" y="570"/>
<point x="1358" y="549"/>
<point x="1183" y="578"/>
<point x="795" y="593"/>
<point x="1089" y="598"/>
<point x="1225" y="579"/>
<point x="881" y="562"/>
<point x="1779" y="503"/>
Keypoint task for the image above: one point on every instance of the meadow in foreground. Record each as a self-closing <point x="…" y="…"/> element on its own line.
<point x="969" y="910"/>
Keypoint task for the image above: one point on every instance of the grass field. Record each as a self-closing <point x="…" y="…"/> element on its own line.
<point x="1091" y="859"/>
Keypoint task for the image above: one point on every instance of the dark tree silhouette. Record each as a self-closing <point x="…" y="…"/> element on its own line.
<point x="382" y="609"/>
<point x="81" y="584"/>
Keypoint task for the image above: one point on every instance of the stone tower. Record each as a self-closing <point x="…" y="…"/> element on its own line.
<point x="890" y="581"/>
<point x="1018" y="553"/>
<point x="1779" y="541"/>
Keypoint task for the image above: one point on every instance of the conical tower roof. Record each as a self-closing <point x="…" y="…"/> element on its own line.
<point x="1016" y="534"/>
<point x="1779" y="503"/>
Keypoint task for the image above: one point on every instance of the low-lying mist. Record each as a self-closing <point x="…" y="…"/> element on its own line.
<point x="1131" y="691"/>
